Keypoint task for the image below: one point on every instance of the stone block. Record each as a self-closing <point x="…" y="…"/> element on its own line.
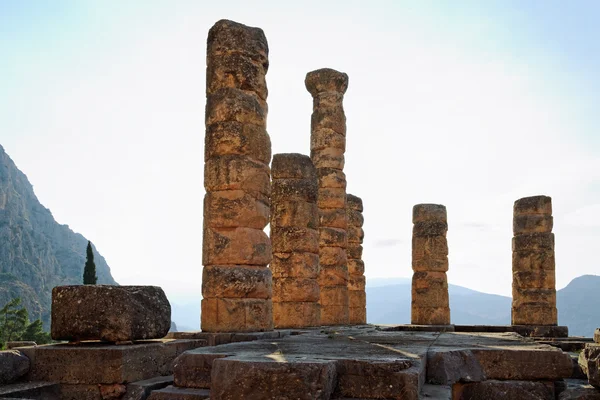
<point x="299" y="265"/>
<point x="332" y="237"/>
<point x="231" y="37"/>
<point x="293" y="165"/>
<point x="532" y="223"/>
<point x="357" y="315"/>
<point x="235" y="172"/>
<point x="333" y="218"/>
<point x="288" y="189"/>
<point x="328" y="158"/>
<point x="177" y="393"/>
<point x="236" y="138"/>
<point x="295" y="214"/>
<point x="234" y="105"/>
<point x="334" y="315"/>
<point x="295" y="290"/>
<point x="332" y="198"/>
<point x="430" y="315"/>
<point x="523" y="297"/>
<point x="13" y="365"/>
<point x="357" y="298"/>
<point x="244" y="246"/>
<point x="236" y="315"/>
<point x="294" y="239"/>
<point x="597" y="335"/>
<point x="333" y="256"/>
<point x="356" y="267"/>
<point x="534" y="279"/>
<point x="589" y="361"/>
<point x="356" y="283"/>
<point x="575" y="389"/>
<point x="354" y="252"/>
<point x="236" y="281"/>
<point x="534" y="205"/>
<point x="354" y="203"/>
<point x="236" y="70"/>
<point x="326" y="80"/>
<point x="234" y="208"/>
<point x="331" y="140"/>
<point x="331" y="117"/>
<point x="429" y="212"/>
<point x="509" y="390"/>
<point x="109" y="313"/>
<point x="533" y="241"/>
<point x="296" y="314"/>
<point x="31" y="390"/>
<point x="355" y="218"/>
<point x="331" y="177"/>
<point x="534" y="314"/>
<point x="430" y="265"/>
<point x="141" y="390"/>
<point x="333" y="275"/>
<point x="334" y="296"/>
<point x="534" y="261"/>
<point x="430" y="228"/>
<point x="355" y="234"/>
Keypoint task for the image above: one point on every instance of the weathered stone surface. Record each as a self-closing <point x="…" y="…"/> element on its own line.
<point x="293" y="165"/>
<point x="234" y="172"/>
<point x="326" y="80"/>
<point x="232" y="37"/>
<point x="532" y="223"/>
<point x="31" y="390"/>
<point x="234" y="105"/>
<point x="509" y="390"/>
<point x="329" y="158"/>
<point x="429" y="212"/>
<point x="533" y="205"/>
<point x="244" y="246"/>
<point x="332" y="237"/>
<point x="354" y="252"/>
<point x="597" y="335"/>
<point x="295" y="214"/>
<point x="236" y="315"/>
<point x="333" y="276"/>
<point x="356" y="267"/>
<point x="450" y="366"/>
<point x="296" y="314"/>
<point x="295" y="290"/>
<point x="109" y="313"/>
<point x="332" y="198"/>
<point x="236" y="281"/>
<point x="236" y="138"/>
<point x="533" y="241"/>
<point x="176" y="393"/>
<point x="589" y="361"/>
<point x="141" y="390"/>
<point x="299" y="265"/>
<point x="578" y="390"/>
<point x="331" y="178"/>
<point x="295" y="239"/>
<point x="292" y="189"/>
<point x="13" y="365"/>
<point x="237" y="70"/>
<point x="432" y="247"/>
<point x="430" y="315"/>
<point x="534" y="314"/>
<point x="429" y="228"/>
<point x="234" y="208"/>
<point x="96" y="363"/>
<point x="333" y="256"/>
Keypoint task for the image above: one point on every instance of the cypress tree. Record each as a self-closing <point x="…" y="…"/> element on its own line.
<point x="89" y="271"/>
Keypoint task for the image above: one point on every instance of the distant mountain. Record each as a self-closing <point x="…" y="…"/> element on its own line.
<point x="36" y="252"/>
<point x="578" y="305"/>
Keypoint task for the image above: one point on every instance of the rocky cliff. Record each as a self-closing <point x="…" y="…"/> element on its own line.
<point x="36" y="252"/>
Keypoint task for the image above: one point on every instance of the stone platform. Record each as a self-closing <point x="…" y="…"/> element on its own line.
<point x="536" y="331"/>
<point x="366" y="362"/>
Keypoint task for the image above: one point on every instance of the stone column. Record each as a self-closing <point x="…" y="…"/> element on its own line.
<point x="327" y="147"/>
<point x="430" y="301"/>
<point x="236" y="283"/>
<point x="295" y="238"/>
<point x="534" y="285"/>
<point x="357" y="298"/>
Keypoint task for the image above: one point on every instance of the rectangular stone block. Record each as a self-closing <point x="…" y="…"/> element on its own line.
<point x="357" y="299"/>
<point x="299" y="265"/>
<point x="288" y="189"/>
<point x="329" y="118"/>
<point x="236" y="281"/>
<point x="244" y="246"/>
<point x="177" y="393"/>
<point x="533" y="242"/>
<point x="354" y="252"/>
<point x="589" y="362"/>
<point x="333" y="218"/>
<point x="357" y="315"/>
<point x="296" y="315"/>
<point x="236" y="315"/>
<point x="429" y="247"/>
<point x="193" y="371"/>
<point x="294" y="166"/>
<point x="332" y="198"/>
<point x="295" y="239"/>
<point x="234" y="172"/>
<point x="295" y="289"/>
<point x="430" y="316"/>
<point x="229" y="138"/>
<point x="355" y="218"/>
<point x="356" y="267"/>
<point x="236" y="70"/>
<point x="430" y="228"/>
<point x="509" y="390"/>
<point x="331" y="177"/>
<point x="534" y="279"/>
<point x="533" y="205"/>
<point x="334" y="296"/>
<point x="356" y="282"/>
<point x="534" y="296"/>
<point x="532" y="223"/>
<point x="334" y="315"/>
<point x="295" y="214"/>
<point x="534" y="314"/>
<point x="332" y="140"/>
<point x="429" y="212"/>
<point x="109" y="313"/>
<point x="433" y="265"/>
<point x="430" y="298"/>
<point x="328" y="158"/>
<point x="234" y="105"/>
<point x="332" y="237"/>
<point x="234" y="208"/>
<point x="333" y="275"/>
<point x="355" y="234"/>
<point x="333" y="256"/>
<point x="533" y="260"/>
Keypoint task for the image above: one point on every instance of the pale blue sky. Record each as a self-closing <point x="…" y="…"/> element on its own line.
<point x="471" y="104"/>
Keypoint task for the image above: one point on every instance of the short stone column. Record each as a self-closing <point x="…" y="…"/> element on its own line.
<point x="533" y="263"/>
<point x="295" y="239"/>
<point x="430" y="301"/>
<point x="357" y="297"/>
<point x="327" y="147"/>
<point x="236" y="283"/>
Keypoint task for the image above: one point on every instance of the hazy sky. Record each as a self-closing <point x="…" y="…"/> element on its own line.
<point x="471" y="104"/>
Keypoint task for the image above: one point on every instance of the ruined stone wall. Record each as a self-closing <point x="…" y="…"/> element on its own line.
<point x="430" y="301"/>
<point x="357" y="297"/>
<point x="534" y="284"/>
<point x="295" y="239"/>
<point x="236" y="283"/>
<point x="327" y="147"/>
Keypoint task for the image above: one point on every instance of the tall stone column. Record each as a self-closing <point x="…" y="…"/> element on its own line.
<point x="357" y="298"/>
<point x="534" y="284"/>
<point x="236" y="283"/>
<point x="430" y="301"/>
<point x="295" y="238"/>
<point x="327" y="147"/>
